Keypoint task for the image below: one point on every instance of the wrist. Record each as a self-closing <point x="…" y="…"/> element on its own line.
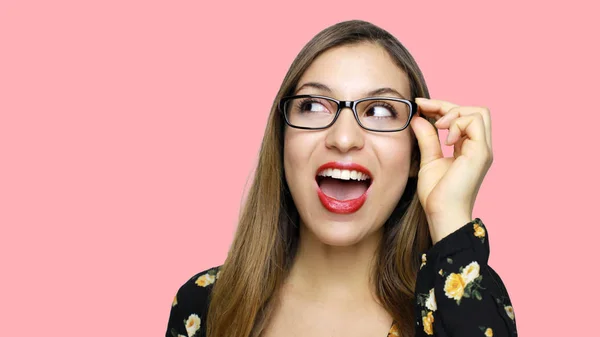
<point x="442" y="226"/>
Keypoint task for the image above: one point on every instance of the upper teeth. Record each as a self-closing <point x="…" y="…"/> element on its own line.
<point x="343" y="174"/>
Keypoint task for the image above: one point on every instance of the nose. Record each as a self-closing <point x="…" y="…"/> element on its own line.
<point x="345" y="134"/>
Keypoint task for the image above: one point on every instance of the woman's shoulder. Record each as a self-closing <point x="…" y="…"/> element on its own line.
<point x="193" y="296"/>
<point x="197" y="289"/>
<point x="190" y="305"/>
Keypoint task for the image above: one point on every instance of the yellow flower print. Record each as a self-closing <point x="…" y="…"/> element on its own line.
<point x="218" y="274"/>
<point x="470" y="272"/>
<point x="430" y="303"/>
<point x="488" y="332"/>
<point x="205" y="280"/>
<point x="174" y="301"/>
<point x="509" y="312"/>
<point x="454" y="286"/>
<point x="423" y="260"/>
<point x="192" y="324"/>
<point x="441" y="272"/>
<point x="394" y="330"/>
<point x="428" y="323"/>
<point x="479" y="231"/>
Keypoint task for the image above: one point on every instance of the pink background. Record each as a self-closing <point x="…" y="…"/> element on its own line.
<point x="128" y="131"/>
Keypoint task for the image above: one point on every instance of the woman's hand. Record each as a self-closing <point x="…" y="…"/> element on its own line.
<point x="447" y="187"/>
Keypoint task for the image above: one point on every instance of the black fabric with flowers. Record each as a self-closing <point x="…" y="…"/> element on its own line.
<point x="457" y="293"/>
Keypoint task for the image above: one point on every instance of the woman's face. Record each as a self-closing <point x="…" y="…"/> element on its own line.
<point x="335" y="210"/>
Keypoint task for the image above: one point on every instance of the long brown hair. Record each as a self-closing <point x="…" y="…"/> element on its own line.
<point x="267" y="235"/>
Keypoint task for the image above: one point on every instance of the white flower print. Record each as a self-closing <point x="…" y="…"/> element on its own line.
<point x="470" y="272"/>
<point x="192" y="324"/>
<point x="430" y="303"/>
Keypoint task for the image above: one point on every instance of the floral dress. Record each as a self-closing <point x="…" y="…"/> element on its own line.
<point x="457" y="293"/>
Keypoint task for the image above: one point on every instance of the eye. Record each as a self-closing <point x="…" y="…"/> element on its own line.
<point x="380" y="110"/>
<point x="311" y="106"/>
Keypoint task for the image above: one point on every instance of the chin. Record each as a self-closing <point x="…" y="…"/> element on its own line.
<point x="339" y="234"/>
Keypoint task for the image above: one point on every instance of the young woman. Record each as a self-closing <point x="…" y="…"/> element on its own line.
<point x="355" y="224"/>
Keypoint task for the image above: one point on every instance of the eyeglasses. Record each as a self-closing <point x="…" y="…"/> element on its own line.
<point x="381" y="114"/>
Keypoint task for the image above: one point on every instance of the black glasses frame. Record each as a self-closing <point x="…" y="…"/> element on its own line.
<point x="347" y="104"/>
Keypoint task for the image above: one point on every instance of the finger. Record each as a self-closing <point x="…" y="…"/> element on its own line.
<point x="428" y="140"/>
<point x="444" y="122"/>
<point x="472" y="126"/>
<point x="458" y="146"/>
<point x="434" y="107"/>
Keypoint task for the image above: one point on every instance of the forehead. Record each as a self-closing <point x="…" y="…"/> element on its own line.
<point x="351" y="71"/>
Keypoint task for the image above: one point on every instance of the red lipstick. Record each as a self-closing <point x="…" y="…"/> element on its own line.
<point x="343" y="206"/>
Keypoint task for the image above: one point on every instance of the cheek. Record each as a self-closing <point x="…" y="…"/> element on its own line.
<point x="297" y="147"/>
<point x="290" y="156"/>
<point x="394" y="156"/>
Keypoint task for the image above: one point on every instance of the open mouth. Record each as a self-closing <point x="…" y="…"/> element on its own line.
<point x="343" y="184"/>
<point x="342" y="187"/>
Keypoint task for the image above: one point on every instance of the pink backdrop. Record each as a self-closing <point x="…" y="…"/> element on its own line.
<point x="128" y="130"/>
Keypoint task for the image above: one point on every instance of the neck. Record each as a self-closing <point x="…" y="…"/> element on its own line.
<point x="339" y="273"/>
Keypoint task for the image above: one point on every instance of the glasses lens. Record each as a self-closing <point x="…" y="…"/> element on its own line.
<point x="310" y="112"/>
<point x="383" y="114"/>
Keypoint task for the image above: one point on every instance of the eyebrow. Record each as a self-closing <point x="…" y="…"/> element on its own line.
<point x="323" y="87"/>
<point x="315" y="85"/>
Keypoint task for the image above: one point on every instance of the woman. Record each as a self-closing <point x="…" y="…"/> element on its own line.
<point x="355" y="224"/>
